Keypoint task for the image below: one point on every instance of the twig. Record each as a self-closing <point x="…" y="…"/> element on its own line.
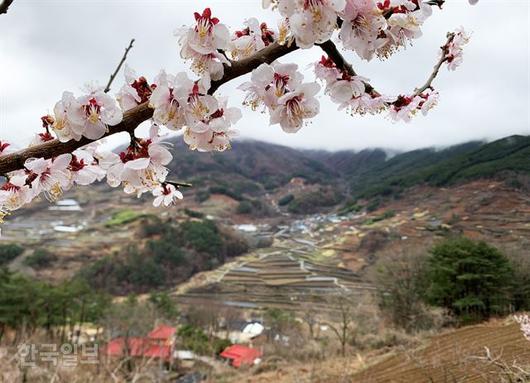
<point x="113" y="76"/>
<point x="331" y="50"/>
<point x="179" y="184"/>
<point x="428" y="84"/>
<point x="5" y="5"/>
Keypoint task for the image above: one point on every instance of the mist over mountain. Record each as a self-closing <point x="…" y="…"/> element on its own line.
<point x="366" y="173"/>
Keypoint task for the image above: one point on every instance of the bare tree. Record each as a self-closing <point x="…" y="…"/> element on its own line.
<point x="344" y="307"/>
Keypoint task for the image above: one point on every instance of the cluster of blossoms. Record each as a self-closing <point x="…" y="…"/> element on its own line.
<point x="202" y="44"/>
<point x="87" y="116"/>
<point x="51" y="177"/>
<point x="353" y="93"/>
<point x="179" y="103"/>
<point x="453" y="51"/>
<point x="139" y="169"/>
<point x="367" y="27"/>
<point x="279" y="88"/>
<point x="405" y="107"/>
<point x="252" y="38"/>
<point x="350" y="92"/>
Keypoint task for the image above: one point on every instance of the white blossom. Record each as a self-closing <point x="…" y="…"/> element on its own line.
<point x="63" y="125"/>
<point x="169" y="98"/>
<point x="247" y="41"/>
<point x="166" y="194"/>
<point x="141" y="167"/>
<point x="84" y="169"/>
<point x="49" y="176"/>
<point x="453" y="51"/>
<point x="269" y="82"/>
<point x="311" y="21"/>
<point x="295" y="107"/>
<point x="15" y="192"/>
<point x="135" y="91"/>
<point x="361" y="28"/>
<point x="93" y="113"/>
<point x="201" y="44"/>
<point x="209" y="123"/>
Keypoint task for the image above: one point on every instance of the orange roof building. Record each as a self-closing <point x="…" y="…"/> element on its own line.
<point x="240" y="355"/>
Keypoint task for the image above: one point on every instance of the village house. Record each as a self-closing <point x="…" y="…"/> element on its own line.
<point x="157" y="345"/>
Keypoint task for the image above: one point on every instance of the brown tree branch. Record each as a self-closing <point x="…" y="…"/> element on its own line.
<point x="428" y="84"/>
<point x="134" y="117"/>
<point x="178" y="184"/>
<point x="239" y="68"/>
<point x="5" y="5"/>
<point x="124" y="57"/>
<point x="15" y="161"/>
<point x="333" y="53"/>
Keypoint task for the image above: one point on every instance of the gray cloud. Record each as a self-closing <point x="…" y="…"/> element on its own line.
<point x="48" y="47"/>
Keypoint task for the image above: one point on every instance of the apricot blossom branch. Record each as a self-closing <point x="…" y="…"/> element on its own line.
<point x="436" y="70"/>
<point x="68" y="151"/>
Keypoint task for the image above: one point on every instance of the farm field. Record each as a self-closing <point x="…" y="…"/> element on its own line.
<point x="457" y="356"/>
<point x="453" y="356"/>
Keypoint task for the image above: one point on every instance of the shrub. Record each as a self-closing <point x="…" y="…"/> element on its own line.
<point x="286" y="200"/>
<point x="193" y="214"/>
<point x="40" y="259"/>
<point x="244" y="207"/>
<point x="255" y="207"/>
<point x="165" y="251"/>
<point x="350" y="207"/>
<point x="9" y="252"/>
<point x="373" y="205"/>
<point x="165" y="305"/>
<point x="311" y="202"/>
<point x="202" y="236"/>
<point x="202" y="195"/>
<point x="401" y="282"/>
<point x="225" y="191"/>
<point x="194" y="339"/>
<point x="471" y="279"/>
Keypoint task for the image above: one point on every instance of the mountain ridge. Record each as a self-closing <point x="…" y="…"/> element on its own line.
<point x="366" y="173"/>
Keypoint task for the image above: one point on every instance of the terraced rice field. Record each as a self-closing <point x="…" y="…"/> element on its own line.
<point x="276" y="280"/>
<point x="457" y="356"/>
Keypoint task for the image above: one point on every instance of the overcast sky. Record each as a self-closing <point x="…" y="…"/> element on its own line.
<point x="47" y="47"/>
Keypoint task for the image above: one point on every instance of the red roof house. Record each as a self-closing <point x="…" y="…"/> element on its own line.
<point x="163" y="334"/>
<point x="157" y="344"/>
<point x="241" y="355"/>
